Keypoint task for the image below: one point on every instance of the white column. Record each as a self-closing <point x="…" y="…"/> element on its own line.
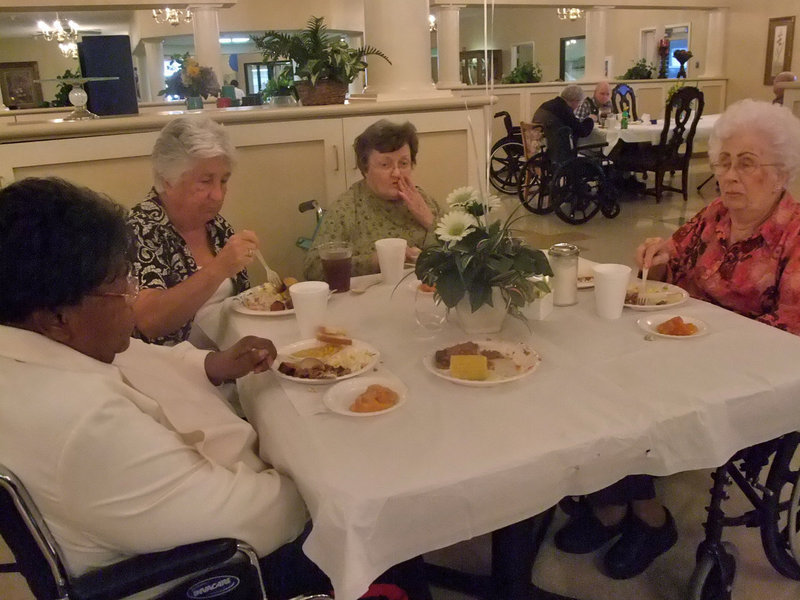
<point x="399" y="28"/>
<point x="448" y="44"/>
<point x="154" y="70"/>
<point x="205" y="24"/>
<point x="595" y="43"/>
<point x="715" y="42"/>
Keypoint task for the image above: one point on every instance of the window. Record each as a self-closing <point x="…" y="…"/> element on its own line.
<point x="258" y="74"/>
<point x="573" y="58"/>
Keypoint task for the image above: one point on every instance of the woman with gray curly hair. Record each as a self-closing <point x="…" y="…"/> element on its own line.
<point x="187" y="255"/>
<point x="741" y="252"/>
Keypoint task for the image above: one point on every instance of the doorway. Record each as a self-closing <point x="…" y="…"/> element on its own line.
<point x="572" y="60"/>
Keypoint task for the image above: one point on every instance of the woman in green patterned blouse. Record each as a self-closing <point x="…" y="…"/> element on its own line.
<point x="384" y="204"/>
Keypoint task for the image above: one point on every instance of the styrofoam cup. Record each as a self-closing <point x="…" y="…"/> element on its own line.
<point x="310" y="300"/>
<point x="391" y="258"/>
<point x="610" y="286"/>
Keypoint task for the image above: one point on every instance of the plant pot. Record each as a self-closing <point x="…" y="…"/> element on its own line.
<point x="194" y="103"/>
<point x="324" y="92"/>
<point x="487" y="319"/>
<point x="282" y="101"/>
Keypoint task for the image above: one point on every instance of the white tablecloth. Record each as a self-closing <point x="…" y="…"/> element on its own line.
<point x="455" y="462"/>
<point x="645" y="132"/>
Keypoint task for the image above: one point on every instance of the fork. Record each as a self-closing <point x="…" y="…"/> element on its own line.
<point x="641" y="297"/>
<point x="272" y="276"/>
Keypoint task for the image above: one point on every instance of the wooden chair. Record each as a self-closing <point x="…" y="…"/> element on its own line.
<point x="534" y="179"/>
<point x="674" y="150"/>
<point x="621" y="96"/>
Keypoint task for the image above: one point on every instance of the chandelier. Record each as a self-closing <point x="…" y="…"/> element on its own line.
<point x="573" y="14"/>
<point x="60" y="31"/>
<point x="68" y="49"/>
<point x="431" y="23"/>
<point x="173" y="16"/>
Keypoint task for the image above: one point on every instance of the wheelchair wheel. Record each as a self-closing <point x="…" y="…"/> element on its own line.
<point x="533" y="185"/>
<point x="712" y="580"/>
<point x="578" y="190"/>
<point x="505" y="164"/>
<point x="780" y="528"/>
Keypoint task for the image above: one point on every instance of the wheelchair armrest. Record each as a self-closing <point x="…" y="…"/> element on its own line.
<point x="149" y="570"/>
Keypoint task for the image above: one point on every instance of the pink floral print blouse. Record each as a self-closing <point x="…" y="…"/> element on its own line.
<point x="758" y="277"/>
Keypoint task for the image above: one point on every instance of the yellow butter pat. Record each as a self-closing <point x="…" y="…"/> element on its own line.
<point x="474" y="367"/>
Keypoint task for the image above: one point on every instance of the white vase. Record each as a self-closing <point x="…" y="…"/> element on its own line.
<point x="487" y="319"/>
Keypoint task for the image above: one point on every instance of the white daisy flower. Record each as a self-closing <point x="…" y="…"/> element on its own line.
<point x="462" y="196"/>
<point x="455" y="225"/>
<point x="493" y="202"/>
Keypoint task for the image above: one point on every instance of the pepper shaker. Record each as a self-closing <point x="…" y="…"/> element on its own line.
<point x="564" y="262"/>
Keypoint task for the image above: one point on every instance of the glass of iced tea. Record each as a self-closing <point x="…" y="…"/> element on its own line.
<point x="337" y="258"/>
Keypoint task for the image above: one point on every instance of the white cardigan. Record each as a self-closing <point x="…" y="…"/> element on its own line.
<point x="134" y="457"/>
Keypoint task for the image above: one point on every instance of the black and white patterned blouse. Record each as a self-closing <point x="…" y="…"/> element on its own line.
<point x="163" y="259"/>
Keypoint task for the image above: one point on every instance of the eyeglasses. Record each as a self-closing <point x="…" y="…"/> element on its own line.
<point x="743" y="165"/>
<point x="130" y="295"/>
<point x="388" y="165"/>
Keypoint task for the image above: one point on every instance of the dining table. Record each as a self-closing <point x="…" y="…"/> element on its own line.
<point x="643" y="131"/>
<point x="458" y="459"/>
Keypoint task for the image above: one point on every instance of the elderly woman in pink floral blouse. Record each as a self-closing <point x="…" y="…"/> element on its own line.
<point x="741" y="252"/>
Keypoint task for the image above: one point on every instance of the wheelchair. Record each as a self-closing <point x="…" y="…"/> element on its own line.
<point x="506" y="158"/>
<point x="560" y="176"/>
<point x="224" y="569"/>
<point x="775" y="498"/>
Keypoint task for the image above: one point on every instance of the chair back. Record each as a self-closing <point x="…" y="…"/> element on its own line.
<point x="532" y="138"/>
<point x="681" y="114"/>
<point x="26" y="534"/>
<point x="622" y="96"/>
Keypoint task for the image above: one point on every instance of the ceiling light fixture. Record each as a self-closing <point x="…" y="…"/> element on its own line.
<point x="572" y="14"/>
<point x="431" y="23"/>
<point x="68" y="49"/>
<point x="173" y="16"/>
<point x="60" y="31"/>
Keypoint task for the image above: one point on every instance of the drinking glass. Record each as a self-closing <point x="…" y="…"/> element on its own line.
<point x="430" y="314"/>
<point x="337" y="260"/>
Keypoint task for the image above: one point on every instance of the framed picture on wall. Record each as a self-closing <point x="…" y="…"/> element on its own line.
<point x="779" y="47"/>
<point x="19" y="85"/>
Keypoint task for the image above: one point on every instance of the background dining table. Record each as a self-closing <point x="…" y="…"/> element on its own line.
<point x="457" y="461"/>
<point x="639" y="131"/>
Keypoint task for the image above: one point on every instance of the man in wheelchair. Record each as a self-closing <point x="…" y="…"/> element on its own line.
<point x="126" y="448"/>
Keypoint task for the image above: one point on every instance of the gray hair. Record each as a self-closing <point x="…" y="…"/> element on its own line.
<point x="774" y="123"/>
<point x="183" y="141"/>
<point x="573" y="93"/>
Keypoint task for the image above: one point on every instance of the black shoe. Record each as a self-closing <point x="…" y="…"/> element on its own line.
<point x="584" y="533"/>
<point x="639" y="546"/>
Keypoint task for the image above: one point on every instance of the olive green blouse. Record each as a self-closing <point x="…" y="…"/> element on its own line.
<point x="360" y="217"/>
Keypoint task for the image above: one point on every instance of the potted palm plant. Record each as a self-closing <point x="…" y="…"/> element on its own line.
<point x="325" y="64"/>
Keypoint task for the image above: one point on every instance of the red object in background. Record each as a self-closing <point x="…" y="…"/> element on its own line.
<point x="224" y="102"/>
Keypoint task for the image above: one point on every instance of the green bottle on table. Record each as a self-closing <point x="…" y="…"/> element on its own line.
<point x="625" y="117"/>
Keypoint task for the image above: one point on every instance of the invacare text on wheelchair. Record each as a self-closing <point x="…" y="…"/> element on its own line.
<point x="560" y="176"/>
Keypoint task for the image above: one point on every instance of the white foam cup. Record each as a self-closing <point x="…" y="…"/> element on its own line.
<point x="610" y="286"/>
<point x="310" y="300"/>
<point x="391" y="258"/>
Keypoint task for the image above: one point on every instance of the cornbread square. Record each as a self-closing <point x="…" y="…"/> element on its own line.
<point x="474" y="367"/>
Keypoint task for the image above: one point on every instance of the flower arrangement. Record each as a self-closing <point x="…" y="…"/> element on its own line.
<point x="190" y="79"/>
<point x="674" y="88"/>
<point x="682" y="56"/>
<point x="476" y="252"/>
<point x="663" y="56"/>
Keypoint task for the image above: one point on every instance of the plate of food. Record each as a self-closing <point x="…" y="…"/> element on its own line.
<point x="366" y="396"/>
<point x="658" y="296"/>
<point x="483" y="363"/>
<point x="679" y="327"/>
<point x="319" y="362"/>
<point x="264" y="300"/>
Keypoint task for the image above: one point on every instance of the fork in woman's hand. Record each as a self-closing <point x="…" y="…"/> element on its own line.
<point x="641" y="297"/>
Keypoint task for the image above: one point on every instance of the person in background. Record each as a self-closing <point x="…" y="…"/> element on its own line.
<point x="188" y="256"/>
<point x="599" y="102"/>
<point x="237" y="90"/>
<point x="777" y="88"/>
<point x="384" y="204"/>
<point x="561" y="127"/>
<point x="741" y="252"/>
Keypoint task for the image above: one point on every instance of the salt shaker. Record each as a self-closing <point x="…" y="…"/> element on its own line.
<point x="564" y="262"/>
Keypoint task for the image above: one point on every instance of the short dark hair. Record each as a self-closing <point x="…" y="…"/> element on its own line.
<point x="235" y="82"/>
<point x="58" y="242"/>
<point x="385" y="136"/>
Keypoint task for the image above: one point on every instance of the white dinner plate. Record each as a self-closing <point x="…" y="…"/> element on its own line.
<point x="660" y="295"/>
<point x="521" y="361"/>
<point x="340" y="397"/>
<point x="241" y="308"/>
<point x="285" y="354"/>
<point x="650" y="323"/>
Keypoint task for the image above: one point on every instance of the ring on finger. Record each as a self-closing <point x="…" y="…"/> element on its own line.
<point x="250" y="252"/>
